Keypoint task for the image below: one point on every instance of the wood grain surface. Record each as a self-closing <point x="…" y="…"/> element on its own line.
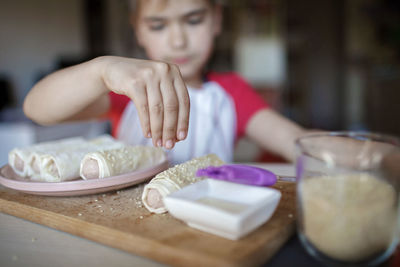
<point x="118" y="219"/>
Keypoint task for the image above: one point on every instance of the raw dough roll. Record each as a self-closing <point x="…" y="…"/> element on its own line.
<point x="64" y="163"/>
<point x="105" y="140"/>
<point x="107" y="163"/>
<point x="25" y="161"/>
<point x="174" y="179"/>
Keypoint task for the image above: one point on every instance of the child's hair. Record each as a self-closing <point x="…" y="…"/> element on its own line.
<point x="135" y="4"/>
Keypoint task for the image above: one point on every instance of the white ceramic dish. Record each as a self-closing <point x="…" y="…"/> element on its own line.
<point x="223" y="208"/>
<point x="10" y="179"/>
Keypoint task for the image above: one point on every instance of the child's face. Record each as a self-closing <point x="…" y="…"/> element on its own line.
<point x="178" y="31"/>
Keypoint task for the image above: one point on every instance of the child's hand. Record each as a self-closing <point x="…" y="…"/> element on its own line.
<point x="158" y="92"/>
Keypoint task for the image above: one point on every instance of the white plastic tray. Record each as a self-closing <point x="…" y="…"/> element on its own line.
<point x="223" y="208"/>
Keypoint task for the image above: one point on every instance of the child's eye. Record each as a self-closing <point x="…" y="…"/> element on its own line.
<point x="156" y="26"/>
<point x="193" y="20"/>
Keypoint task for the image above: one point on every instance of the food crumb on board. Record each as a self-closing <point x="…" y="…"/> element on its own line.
<point x="104" y="195"/>
<point x="79" y="214"/>
<point x="96" y="200"/>
<point x="141" y="217"/>
<point x="290" y="215"/>
<point x="139" y="204"/>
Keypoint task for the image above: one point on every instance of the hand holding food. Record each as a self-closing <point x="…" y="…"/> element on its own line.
<point x="158" y="92"/>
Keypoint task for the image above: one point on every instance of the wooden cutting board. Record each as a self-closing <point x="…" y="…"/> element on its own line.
<point x="118" y="219"/>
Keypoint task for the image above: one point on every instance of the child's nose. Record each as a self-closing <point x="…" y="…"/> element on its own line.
<point x="178" y="38"/>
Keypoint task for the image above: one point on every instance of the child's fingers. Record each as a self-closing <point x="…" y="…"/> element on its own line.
<point x="184" y="109"/>
<point x="171" y="109"/>
<point x="139" y="98"/>
<point x="156" y="111"/>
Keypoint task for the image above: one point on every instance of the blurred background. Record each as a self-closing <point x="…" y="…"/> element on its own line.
<point x="331" y="65"/>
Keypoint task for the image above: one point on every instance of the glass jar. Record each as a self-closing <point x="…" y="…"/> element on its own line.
<point x="348" y="196"/>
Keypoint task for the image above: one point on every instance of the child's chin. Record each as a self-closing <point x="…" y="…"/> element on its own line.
<point x="188" y="72"/>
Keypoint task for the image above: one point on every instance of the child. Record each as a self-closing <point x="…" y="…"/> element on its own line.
<point x="156" y="95"/>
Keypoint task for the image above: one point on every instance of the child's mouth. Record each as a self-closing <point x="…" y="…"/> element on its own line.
<point x="180" y="61"/>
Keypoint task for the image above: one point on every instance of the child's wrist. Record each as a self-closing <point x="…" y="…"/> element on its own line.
<point x="98" y="66"/>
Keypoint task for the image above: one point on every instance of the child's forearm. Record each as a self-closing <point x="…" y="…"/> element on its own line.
<point x="72" y="93"/>
<point x="274" y="133"/>
<point x="80" y="92"/>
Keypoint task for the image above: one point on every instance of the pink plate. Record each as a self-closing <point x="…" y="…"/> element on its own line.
<point x="10" y="179"/>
